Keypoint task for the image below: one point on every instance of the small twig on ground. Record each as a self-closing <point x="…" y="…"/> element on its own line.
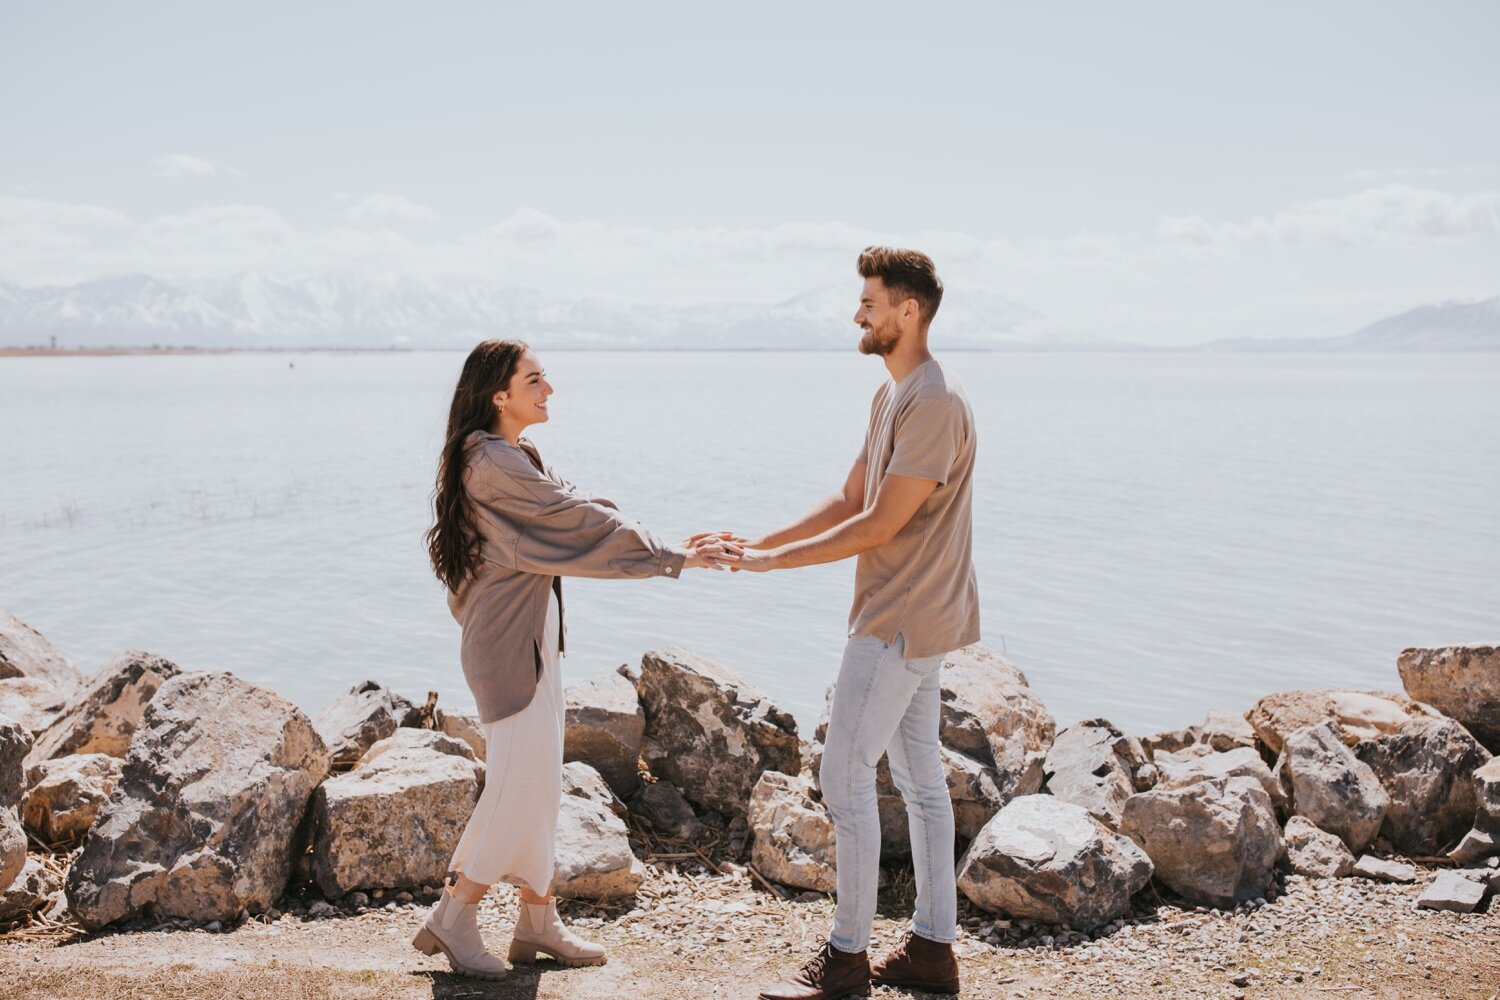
<point x="775" y="889"/>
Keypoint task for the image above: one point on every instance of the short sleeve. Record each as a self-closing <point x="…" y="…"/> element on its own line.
<point x="928" y="437"/>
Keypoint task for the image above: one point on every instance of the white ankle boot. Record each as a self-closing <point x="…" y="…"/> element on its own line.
<point x="540" y="929"/>
<point x="453" y="929"/>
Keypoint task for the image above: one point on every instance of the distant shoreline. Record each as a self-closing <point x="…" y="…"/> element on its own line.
<point x="109" y="352"/>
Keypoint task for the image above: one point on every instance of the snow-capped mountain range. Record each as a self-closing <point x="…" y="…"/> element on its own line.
<point x="330" y="310"/>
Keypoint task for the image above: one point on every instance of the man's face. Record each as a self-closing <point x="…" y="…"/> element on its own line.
<point x="877" y="316"/>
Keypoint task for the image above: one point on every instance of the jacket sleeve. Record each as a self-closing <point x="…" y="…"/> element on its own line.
<point x="557" y="531"/>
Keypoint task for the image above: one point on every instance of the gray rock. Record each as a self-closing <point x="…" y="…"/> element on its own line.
<point x="712" y="734"/>
<point x="356" y="720"/>
<point x="794" y="842"/>
<point x="1332" y="787"/>
<point x="1214" y="842"/>
<point x="15" y="745"/>
<point x="1459" y="681"/>
<point x="665" y="811"/>
<point x="990" y="714"/>
<point x="202" y="822"/>
<point x="1315" y="852"/>
<point x="31" y="702"/>
<point x="1357" y="715"/>
<point x="394" y="821"/>
<point x="593" y="858"/>
<point x="103" y="715"/>
<point x="1093" y="764"/>
<point x="67" y="794"/>
<point x="1381" y="870"/>
<point x="1476" y="845"/>
<point x="1200" y="762"/>
<point x="605" y="727"/>
<point x="28" y="892"/>
<point x="1427" y="769"/>
<point x="1483" y="840"/>
<point x="1172" y="740"/>
<point x="422" y="739"/>
<point x="25" y="652"/>
<point x="1044" y="859"/>
<point x="973" y="788"/>
<point x="583" y="781"/>
<point x="1225" y="731"/>
<point x="15" y="742"/>
<point x="12" y="846"/>
<point x="464" y="726"/>
<point x="1487" y="796"/>
<point x="1451" y="891"/>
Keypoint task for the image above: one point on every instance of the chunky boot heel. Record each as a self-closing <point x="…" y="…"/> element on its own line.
<point x="522" y="953"/>
<point x="426" y="942"/>
<point x="453" y="929"/>
<point x="539" y="929"/>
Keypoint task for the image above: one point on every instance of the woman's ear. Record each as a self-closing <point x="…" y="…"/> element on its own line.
<point x="498" y="400"/>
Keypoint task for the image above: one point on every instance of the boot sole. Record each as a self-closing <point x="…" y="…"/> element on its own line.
<point x="526" y="954"/>
<point x="853" y="991"/>
<point x="949" y="988"/>
<point x="429" y="943"/>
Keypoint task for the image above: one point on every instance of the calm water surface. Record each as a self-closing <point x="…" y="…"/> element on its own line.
<point x="1157" y="535"/>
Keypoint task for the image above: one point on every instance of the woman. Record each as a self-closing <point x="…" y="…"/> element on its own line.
<point x="507" y="529"/>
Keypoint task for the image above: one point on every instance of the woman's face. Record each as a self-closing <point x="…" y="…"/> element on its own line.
<point x="525" y="402"/>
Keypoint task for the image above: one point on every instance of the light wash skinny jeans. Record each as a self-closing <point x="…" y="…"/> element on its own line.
<point x="884" y="703"/>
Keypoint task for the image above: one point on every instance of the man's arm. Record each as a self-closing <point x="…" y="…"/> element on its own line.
<point x="833" y="510"/>
<point x="898" y="498"/>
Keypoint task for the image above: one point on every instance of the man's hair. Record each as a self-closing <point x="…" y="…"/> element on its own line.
<point x="906" y="274"/>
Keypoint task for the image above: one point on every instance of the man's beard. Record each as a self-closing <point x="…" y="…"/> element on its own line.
<point x="878" y="342"/>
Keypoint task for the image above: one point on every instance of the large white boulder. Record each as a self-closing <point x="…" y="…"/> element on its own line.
<point x="203" y="820"/>
<point x="1459" y="681"/>
<point x="1214" y="842"/>
<point x="1332" y="787"/>
<point x="104" y="713"/>
<point x="604" y="729"/>
<point x="794" y="842"/>
<point x="710" y="732"/>
<point x="1044" y="859"/>
<point x="394" y="821"/>
<point x="359" y="718"/>
<point x="67" y="794"/>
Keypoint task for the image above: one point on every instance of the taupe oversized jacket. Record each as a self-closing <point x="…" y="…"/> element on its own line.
<point x="536" y="528"/>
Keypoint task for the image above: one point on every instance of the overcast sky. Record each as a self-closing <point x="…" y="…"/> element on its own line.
<point x="1160" y="172"/>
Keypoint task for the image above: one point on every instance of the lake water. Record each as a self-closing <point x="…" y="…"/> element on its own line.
<point x="1157" y="535"/>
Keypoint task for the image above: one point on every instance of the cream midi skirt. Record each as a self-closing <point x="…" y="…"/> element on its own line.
<point x="510" y="836"/>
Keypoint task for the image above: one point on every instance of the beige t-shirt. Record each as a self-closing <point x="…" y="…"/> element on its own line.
<point x="921" y="583"/>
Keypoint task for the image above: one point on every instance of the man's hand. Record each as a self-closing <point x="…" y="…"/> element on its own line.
<point x="754" y="561"/>
<point x="712" y="550"/>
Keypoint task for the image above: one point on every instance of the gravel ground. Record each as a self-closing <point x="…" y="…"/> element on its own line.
<point x="695" y="932"/>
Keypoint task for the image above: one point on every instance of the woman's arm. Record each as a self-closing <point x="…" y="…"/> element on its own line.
<point x="539" y="525"/>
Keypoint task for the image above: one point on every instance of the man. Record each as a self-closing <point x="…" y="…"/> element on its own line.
<point x="905" y="511"/>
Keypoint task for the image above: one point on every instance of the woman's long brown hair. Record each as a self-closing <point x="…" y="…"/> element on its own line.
<point x="453" y="539"/>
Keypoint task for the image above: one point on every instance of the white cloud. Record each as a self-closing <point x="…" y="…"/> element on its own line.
<point x="1319" y="268"/>
<point x="1393" y="212"/>
<point x="181" y="165"/>
<point x="374" y="208"/>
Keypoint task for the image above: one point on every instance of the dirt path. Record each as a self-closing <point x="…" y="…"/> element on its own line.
<point x="694" y="934"/>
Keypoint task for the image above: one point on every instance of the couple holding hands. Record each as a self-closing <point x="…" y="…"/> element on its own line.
<point x="508" y="528"/>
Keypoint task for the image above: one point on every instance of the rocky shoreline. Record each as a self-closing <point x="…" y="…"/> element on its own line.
<point x="156" y="799"/>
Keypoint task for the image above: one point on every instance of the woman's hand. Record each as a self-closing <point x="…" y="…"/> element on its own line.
<point x="713" y="550"/>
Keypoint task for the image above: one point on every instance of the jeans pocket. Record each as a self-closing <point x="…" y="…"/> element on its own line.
<point x="923" y="667"/>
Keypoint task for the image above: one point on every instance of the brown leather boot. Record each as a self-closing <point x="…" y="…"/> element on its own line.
<point x="830" y="975"/>
<point x="919" y="964"/>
